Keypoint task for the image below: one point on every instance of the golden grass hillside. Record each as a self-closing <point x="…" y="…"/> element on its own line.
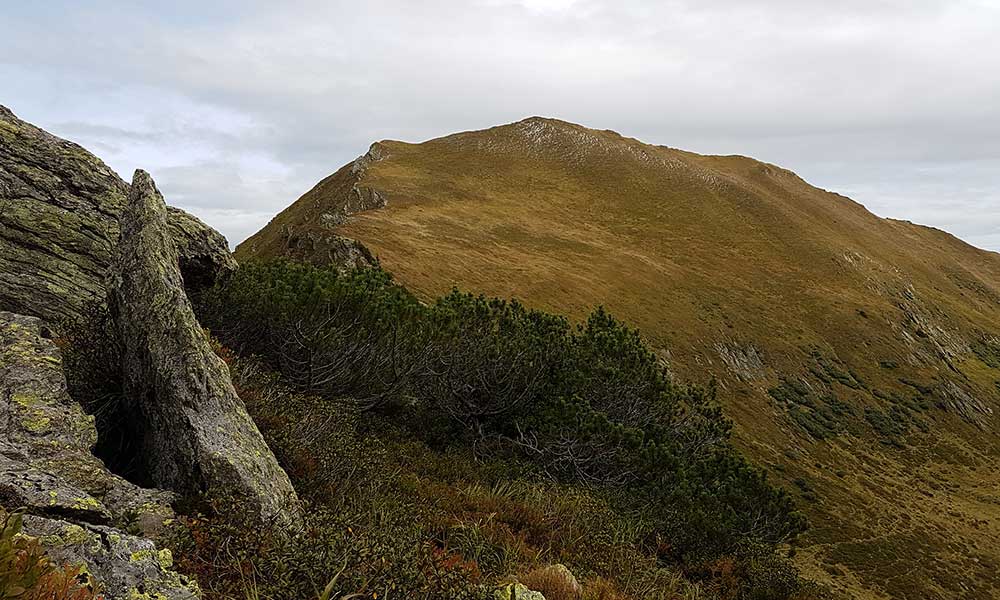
<point x="858" y="356"/>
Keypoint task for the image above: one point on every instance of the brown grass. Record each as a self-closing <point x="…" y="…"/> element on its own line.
<point x="717" y="259"/>
<point x="601" y="589"/>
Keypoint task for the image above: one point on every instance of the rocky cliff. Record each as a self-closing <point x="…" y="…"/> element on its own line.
<point x="74" y="240"/>
<point x="310" y="232"/>
<point x="59" y="222"/>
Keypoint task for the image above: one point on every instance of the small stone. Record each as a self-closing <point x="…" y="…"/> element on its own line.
<point x="516" y="591"/>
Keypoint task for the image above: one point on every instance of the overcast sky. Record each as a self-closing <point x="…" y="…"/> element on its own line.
<point x="239" y="107"/>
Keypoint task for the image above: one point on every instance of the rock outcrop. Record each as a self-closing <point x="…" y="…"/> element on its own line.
<point x="59" y="222"/>
<point x="77" y="508"/>
<point x="202" y="251"/>
<point x="197" y="436"/>
<point x="326" y="247"/>
<point x="317" y="240"/>
<point x="127" y="567"/>
<point x="59" y="210"/>
<point x="73" y="236"/>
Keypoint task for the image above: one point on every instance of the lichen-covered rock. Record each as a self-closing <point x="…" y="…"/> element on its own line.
<point x="127" y="567"/>
<point x="203" y="252"/>
<point x="59" y="223"/>
<point x="76" y="506"/>
<point x="516" y="591"/>
<point x="46" y="439"/>
<point x="23" y="485"/>
<point x="197" y="435"/>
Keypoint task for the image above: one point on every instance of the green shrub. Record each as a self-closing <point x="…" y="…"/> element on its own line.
<point x="821" y="416"/>
<point x="588" y="404"/>
<point x="429" y="522"/>
<point x="354" y="335"/>
<point x="988" y="351"/>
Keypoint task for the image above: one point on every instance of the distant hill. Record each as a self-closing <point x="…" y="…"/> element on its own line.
<point x="858" y="356"/>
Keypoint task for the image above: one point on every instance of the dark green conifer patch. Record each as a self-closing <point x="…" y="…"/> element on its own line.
<point x="587" y="403"/>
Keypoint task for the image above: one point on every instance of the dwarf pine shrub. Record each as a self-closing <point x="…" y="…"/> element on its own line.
<point x="587" y="403"/>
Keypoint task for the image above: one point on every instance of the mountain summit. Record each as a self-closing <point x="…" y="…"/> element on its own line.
<point x="858" y="356"/>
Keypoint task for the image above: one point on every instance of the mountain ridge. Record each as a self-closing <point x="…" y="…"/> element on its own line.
<point x="838" y="337"/>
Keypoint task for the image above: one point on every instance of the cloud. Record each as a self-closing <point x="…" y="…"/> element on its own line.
<point x="238" y="108"/>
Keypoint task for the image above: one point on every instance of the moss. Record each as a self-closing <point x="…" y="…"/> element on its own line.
<point x="71" y="535"/>
<point x="148" y="508"/>
<point x="142" y="555"/>
<point x="135" y="594"/>
<point x="50" y="541"/>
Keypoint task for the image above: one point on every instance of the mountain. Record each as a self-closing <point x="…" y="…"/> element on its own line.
<point x="859" y="357"/>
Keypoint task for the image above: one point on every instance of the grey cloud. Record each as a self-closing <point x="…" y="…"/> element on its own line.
<point x="238" y="108"/>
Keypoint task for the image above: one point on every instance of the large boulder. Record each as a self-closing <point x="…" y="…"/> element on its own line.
<point x="59" y="222"/>
<point x="59" y="210"/>
<point x="196" y="434"/>
<point x="323" y="246"/>
<point x="77" y="508"/>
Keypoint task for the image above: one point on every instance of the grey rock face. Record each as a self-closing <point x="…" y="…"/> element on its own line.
<point x="126" y="566"/>
<point x="197" y="436"/>
<point x="46" y="440"/>
<point x="78" y="508"/>
<point x="363" y="197"/>
<point x="203" y="252"/>
<point x="59" y="224"/>
<point x="329" y="248"/>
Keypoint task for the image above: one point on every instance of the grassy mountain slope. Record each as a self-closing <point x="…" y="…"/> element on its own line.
<point x="858" y="356"/>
